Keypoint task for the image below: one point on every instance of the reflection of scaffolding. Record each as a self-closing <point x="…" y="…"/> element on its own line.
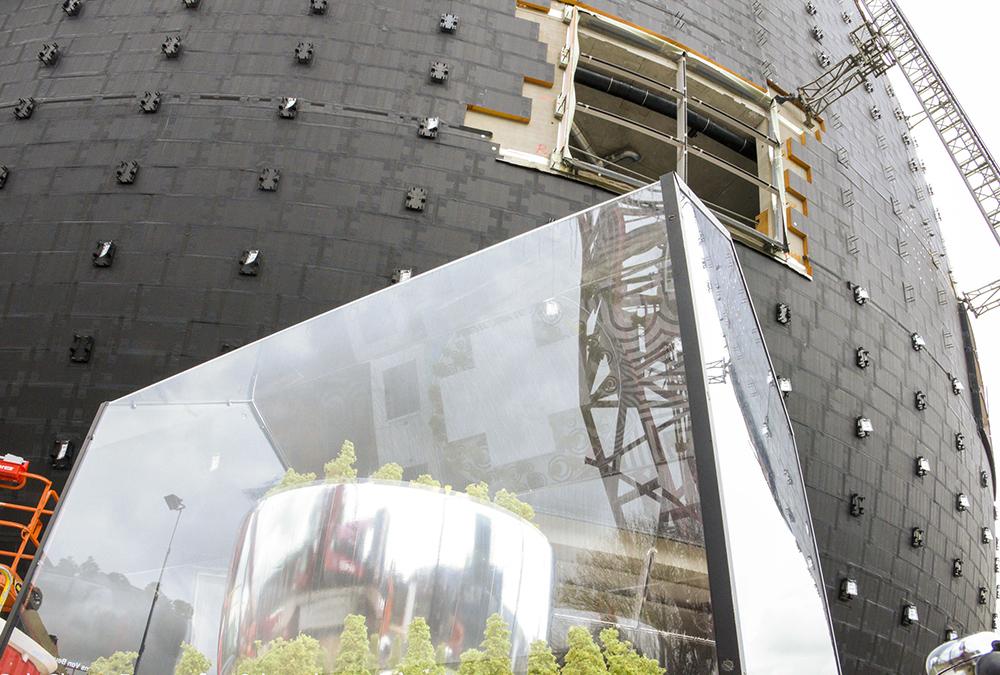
<point x="632" y="365"/>
<point x="717" y="372"/>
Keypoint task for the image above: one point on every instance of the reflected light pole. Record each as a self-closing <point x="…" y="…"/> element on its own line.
<point x="174" y="503"/>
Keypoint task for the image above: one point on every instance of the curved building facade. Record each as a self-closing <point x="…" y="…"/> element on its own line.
<point x="421" y="132"/>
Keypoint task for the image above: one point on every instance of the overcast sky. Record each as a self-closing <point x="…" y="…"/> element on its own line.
<point x="962" y="40"/>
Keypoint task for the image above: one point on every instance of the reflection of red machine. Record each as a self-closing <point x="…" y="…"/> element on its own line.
<point x="343" y="542"/>
<point x="341" y="560"/>
<point x="24" y="656"/>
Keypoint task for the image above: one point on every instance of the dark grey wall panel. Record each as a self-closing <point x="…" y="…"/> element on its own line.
<point x="336" y="228"/>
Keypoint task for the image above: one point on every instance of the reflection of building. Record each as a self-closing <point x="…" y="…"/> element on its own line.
<point x="339" y="225"/>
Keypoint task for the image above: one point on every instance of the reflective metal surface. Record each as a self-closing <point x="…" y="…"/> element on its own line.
<point x="782" y="616"/>
<point x="310" y="556"/>
<point x="959" y="657"/>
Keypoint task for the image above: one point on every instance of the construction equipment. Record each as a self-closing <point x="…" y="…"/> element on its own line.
<point x="972" y="159"/>
<point x="871" y="59"/>
<point x="884" y="39"/>
<point x="27" y="520"/>
<point x="983" y="299"/>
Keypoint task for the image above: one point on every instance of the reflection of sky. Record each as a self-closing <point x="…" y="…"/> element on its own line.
<point x="508" y="361"/>
<point x="116" y="515"/>
<point x="781" y="613"/>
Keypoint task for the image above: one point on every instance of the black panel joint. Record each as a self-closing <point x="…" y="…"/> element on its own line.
<point x="862" y="357"/>
<point x="449" y="23"/>
<point x="82" y="348"/>
<point x="61" y="457"/>
<point x="288" y="108"/>
<point x="857" y="505"/>
<point x="25" y="108"/>
<point x="104" y="253"/>
<point x="172" y="46"/>
<point x="439" y="72"/>
<point x="416" y="199"/>
<point x="304" y="53"/>
<point x="429" y="127"/>
<point x="127" y="171"/>
<point x="49" y="55"/>
<point x="250" y="262"/>
<point x="268" y="179"/>
<point x="149" y="102"/>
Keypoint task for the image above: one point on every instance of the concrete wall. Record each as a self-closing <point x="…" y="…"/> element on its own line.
<point x="337" y="227"/>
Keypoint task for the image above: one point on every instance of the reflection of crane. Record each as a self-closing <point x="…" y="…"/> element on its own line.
<point x="174" y="503"/>
<point x="717" y="372"/>
<point x="632" y="374"/>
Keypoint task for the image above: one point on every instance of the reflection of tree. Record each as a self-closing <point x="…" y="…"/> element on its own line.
<point x="102" y="613"/>
<point x="89" y="569"/>
<point x="66" y="567"/>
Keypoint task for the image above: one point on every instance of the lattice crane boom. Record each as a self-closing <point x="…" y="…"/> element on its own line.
<point x="972" y="158"/>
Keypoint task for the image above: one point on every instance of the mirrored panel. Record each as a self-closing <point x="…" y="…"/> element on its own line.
<point x="781" y="610"/>
<point x="549" y="366"/>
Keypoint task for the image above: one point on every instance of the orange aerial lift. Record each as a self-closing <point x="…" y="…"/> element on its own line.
<point x="32" y="651"/>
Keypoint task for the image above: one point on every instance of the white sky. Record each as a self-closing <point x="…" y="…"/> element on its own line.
<point x="962" y="39"/>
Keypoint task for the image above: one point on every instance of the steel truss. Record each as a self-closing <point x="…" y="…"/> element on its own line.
<point x="983" y="299"/>
<point x="967" y="150"/>
<point x="870" y="59"/>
